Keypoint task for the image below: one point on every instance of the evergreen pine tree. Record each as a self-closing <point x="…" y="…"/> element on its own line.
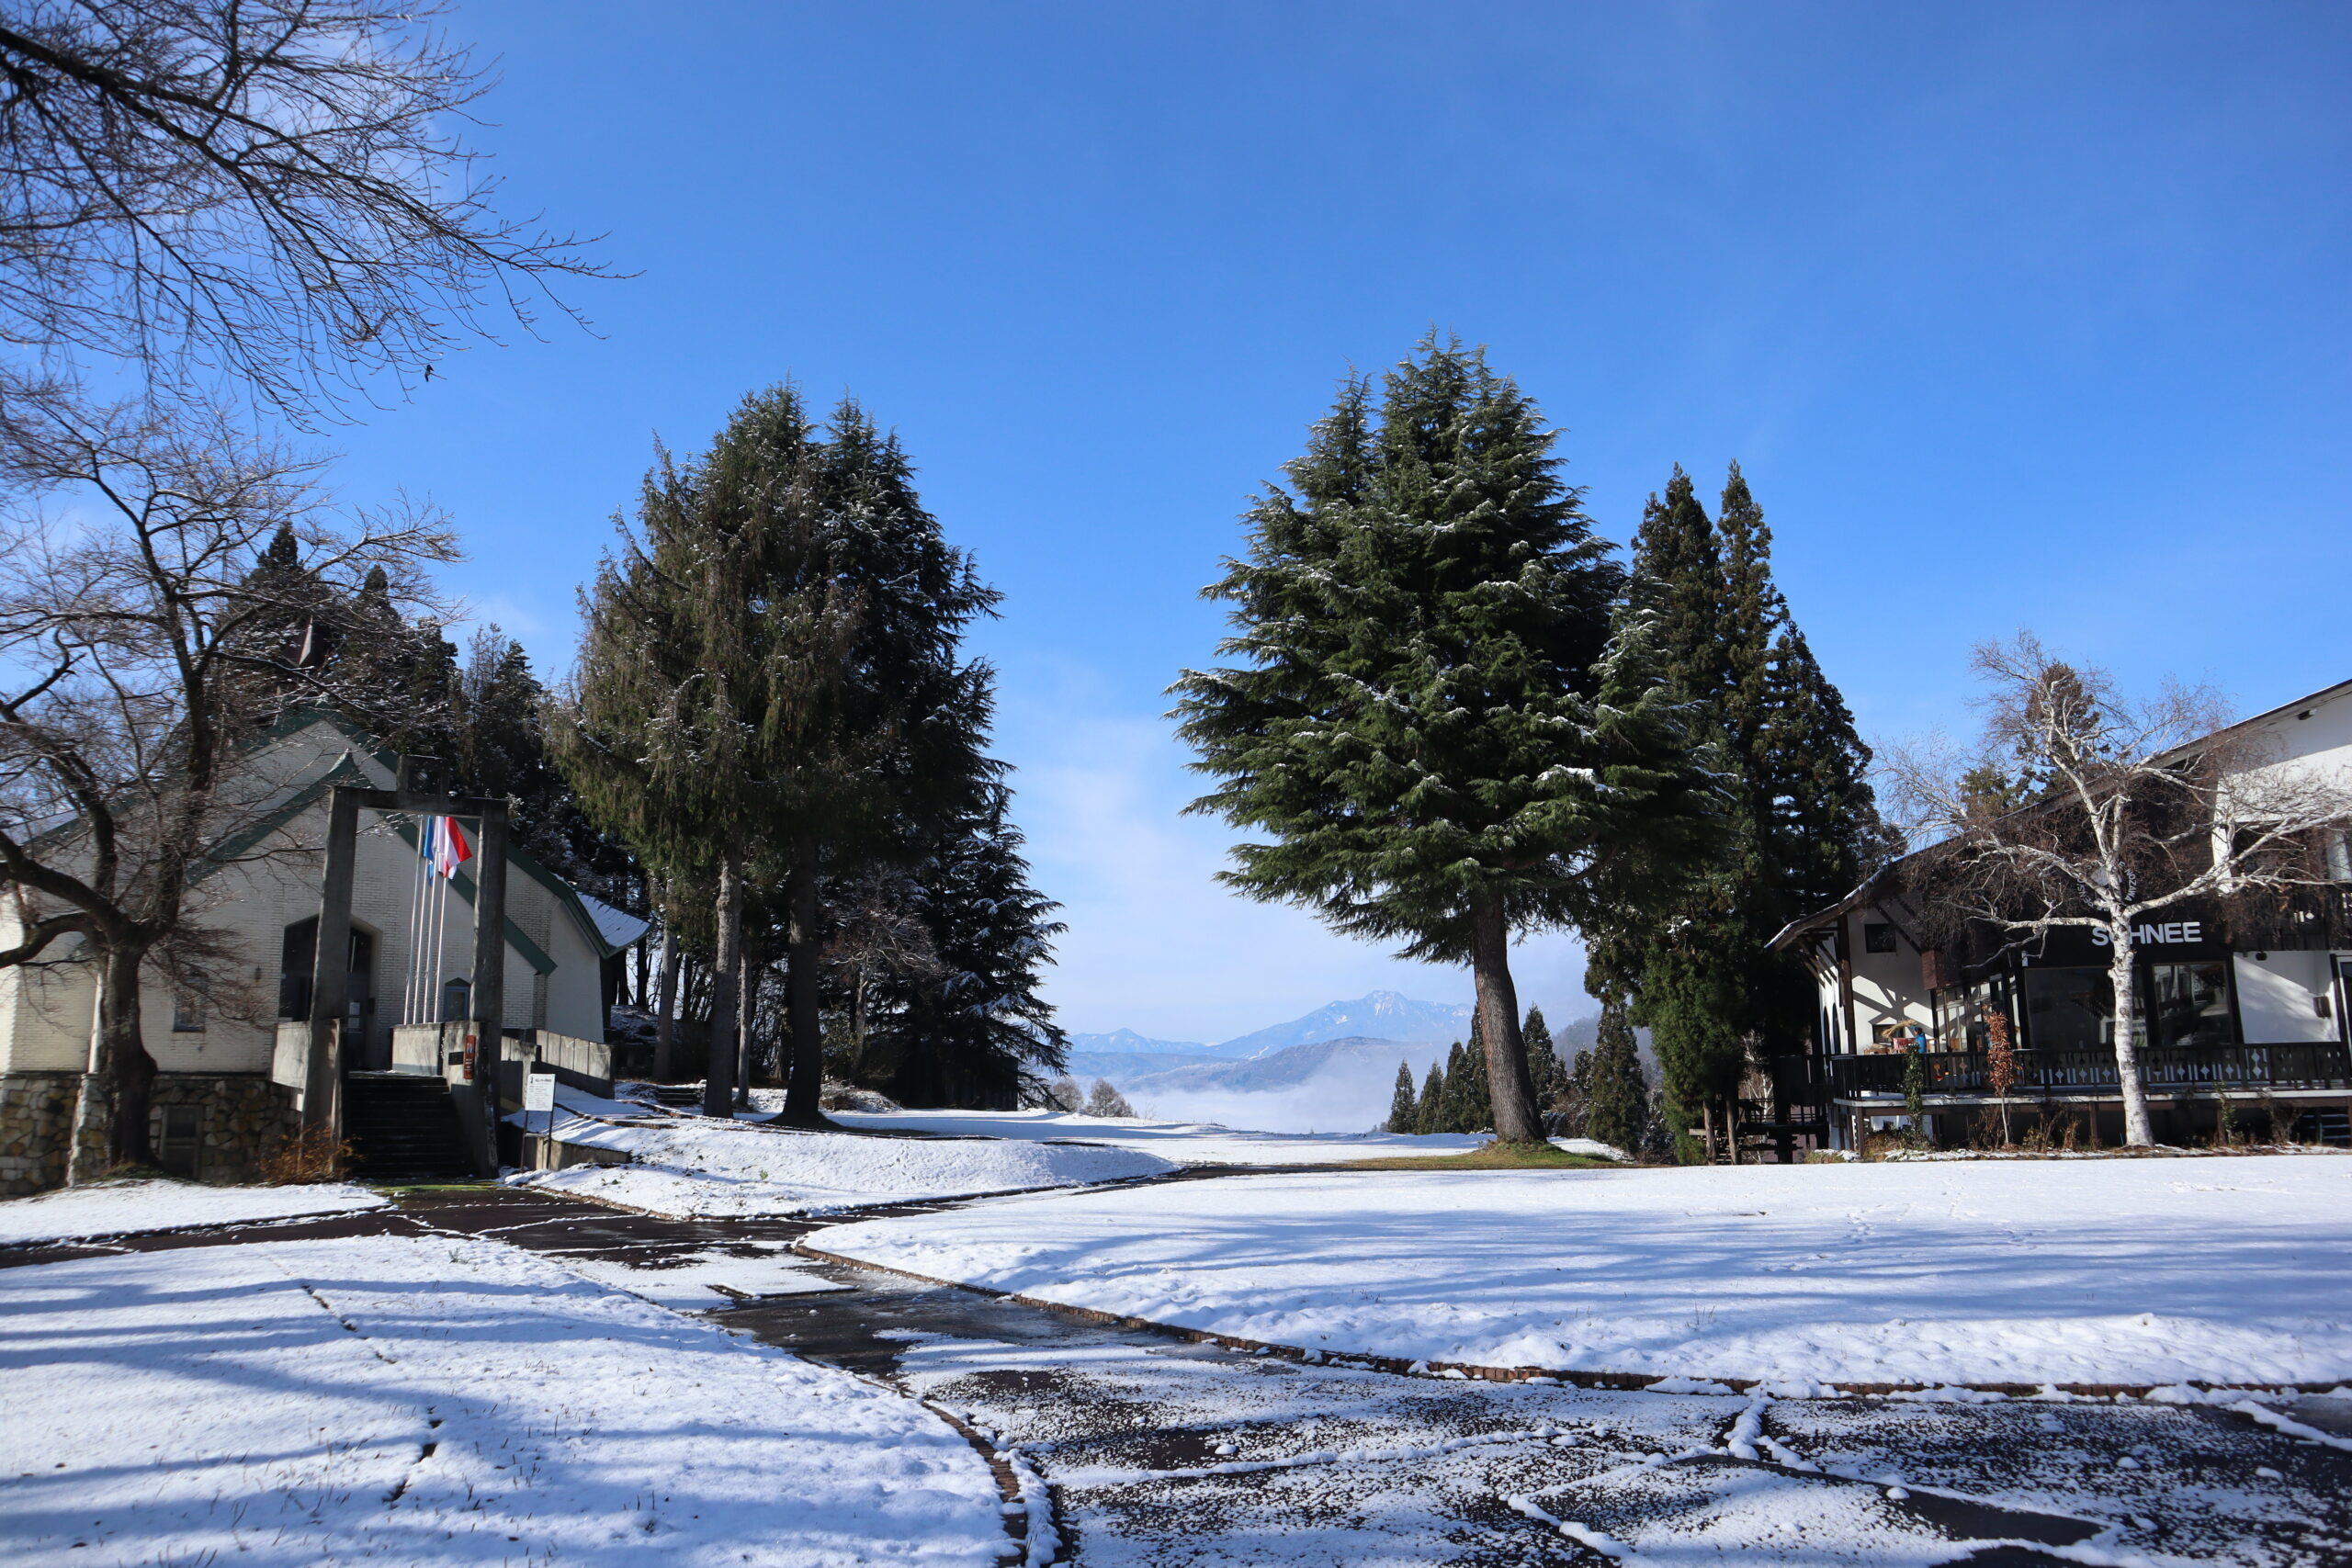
<point x="1457" y="1083"/>
<point x="1679" y="582"/>
<point x="976" y="1030"/>
<point x="1428" y="1115"/>
<point x="1469" y="1103"/>
<point x="771" y="676"/>
<point x="695" y="637"/>
<point x="1476" y="1111"/>
<point x="1576" y="1096"/>
<point x="1425" y="619"/>
<point x="1544" y="1062"/>
<point x="1404" y="1113"/>
<point x="1750" y="614"/>
<point x="911" y="728"/>
<point x="1617" y="1102"/>
<point x="1802" y="828"/>
<point x="1690" y="999"/>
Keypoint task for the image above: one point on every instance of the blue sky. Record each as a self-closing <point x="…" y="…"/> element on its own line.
<point x="2015" y="316"/>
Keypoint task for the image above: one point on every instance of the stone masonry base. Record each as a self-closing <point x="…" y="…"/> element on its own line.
<point x="239" y="1118"/>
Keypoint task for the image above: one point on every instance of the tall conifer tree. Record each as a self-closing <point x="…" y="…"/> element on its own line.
<point x="1544" y="1062"/>
<point x="977" y="1032"/>
<point x="1617" y="1096"/>
<point x="1422" y="724"/>
<point x="771" y="677"/>
<point x="1429" y="1114"/>
<point x="1803" y="827"/>
<point x="1404" y="1113"/>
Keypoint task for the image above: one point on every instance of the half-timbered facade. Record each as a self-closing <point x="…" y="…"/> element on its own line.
<point x="2242" y="1006"/>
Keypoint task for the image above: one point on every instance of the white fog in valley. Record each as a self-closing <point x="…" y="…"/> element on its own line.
<point x="1338" y="1101"/>
<point x="1333" y="1070"/>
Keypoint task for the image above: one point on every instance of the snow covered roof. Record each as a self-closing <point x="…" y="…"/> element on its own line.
<point x="618" y="927"/>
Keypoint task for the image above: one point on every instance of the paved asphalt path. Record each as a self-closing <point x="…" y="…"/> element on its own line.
<point x="1158" y="1451"/>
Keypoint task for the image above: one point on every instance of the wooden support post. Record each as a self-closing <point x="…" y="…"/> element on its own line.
<point x="331" y="968"/>
<point x="331" y="958"/>
<point x="490" y="971"/>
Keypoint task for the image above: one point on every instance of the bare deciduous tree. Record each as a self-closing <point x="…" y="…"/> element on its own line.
<point x="2081" y="809"/>
<point x="879" y="941"/>
<point x="1106" y="1101"/>
<point x="265" y="189"/>
<point x="163" y="585"/>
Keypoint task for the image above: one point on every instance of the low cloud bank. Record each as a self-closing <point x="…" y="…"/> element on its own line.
<point x="1347" y="1100"/>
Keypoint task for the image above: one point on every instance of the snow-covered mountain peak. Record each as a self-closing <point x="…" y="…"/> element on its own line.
<point x="1388" y="1015"/>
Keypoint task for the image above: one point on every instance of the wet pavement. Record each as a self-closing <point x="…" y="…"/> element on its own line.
<point x="1139" y="1447"/>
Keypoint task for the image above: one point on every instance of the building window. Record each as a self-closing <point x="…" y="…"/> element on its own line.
<point x="2070" y="1010"/>
<point x="2339" y="857"/>
<point x="2190" y="1003"/>
<point x="188" y="1006"/>
<point x="1878" y="937"/>
<point x="180" y="1139"/>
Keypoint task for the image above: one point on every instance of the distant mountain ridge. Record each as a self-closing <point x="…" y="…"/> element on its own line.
<point x="1290" y="1066"/>
<point x="1127" y="1042"/>
<point x="1381" y="1015"/>
<point x="1128" y="1067"/>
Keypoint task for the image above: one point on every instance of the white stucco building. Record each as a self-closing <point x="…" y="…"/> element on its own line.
<point x="215" y="1106"/>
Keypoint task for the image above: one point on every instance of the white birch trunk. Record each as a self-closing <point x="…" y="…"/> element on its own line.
<point x="2138" y="1131"/>
<point x="87" y="1140"/>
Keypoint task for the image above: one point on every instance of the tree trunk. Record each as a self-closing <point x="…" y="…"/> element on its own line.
<point x="91" y="1131"/>
<point x="1510" y="1090"/>
<point x="665" y="1016"/>
<point x="803" y="1095"/>
<point x="748" y="1007"/>
<point x="726" y="973"/>
<point x="132" y="1070"/>
<point x="2138" y="1131"/>
<point x="117" y="1080"/>
<point x="640" y="993"/>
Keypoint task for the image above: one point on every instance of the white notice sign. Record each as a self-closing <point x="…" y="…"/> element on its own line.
<point x="538" y="1092"/>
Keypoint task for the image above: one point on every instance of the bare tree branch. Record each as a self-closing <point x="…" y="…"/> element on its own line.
<point x="158" y="573"/>
<point x="264" y="188"/>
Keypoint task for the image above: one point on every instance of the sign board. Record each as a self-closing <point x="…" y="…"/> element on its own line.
<point x="2174" y="935"/>
<point x="538" y="1092"/>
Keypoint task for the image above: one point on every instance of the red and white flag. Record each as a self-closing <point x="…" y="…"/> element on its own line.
<point x="444" y="843"/>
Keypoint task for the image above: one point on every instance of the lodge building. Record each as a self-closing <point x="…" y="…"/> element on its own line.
<point x="229" y="1075"/>
<point x="2242" y="1007"/>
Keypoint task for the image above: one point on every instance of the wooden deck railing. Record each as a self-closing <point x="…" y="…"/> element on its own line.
<point x="2167" y="1068"/>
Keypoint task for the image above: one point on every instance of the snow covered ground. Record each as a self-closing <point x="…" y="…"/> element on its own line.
<point x="717" y="1278"/>
<point x="1184" y="1143"/>
<point x="119" y="1207"/>
<point x="445" y="1401"/>
<point x="690" y="1166"/>
<point x="2143" y="1272"/>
